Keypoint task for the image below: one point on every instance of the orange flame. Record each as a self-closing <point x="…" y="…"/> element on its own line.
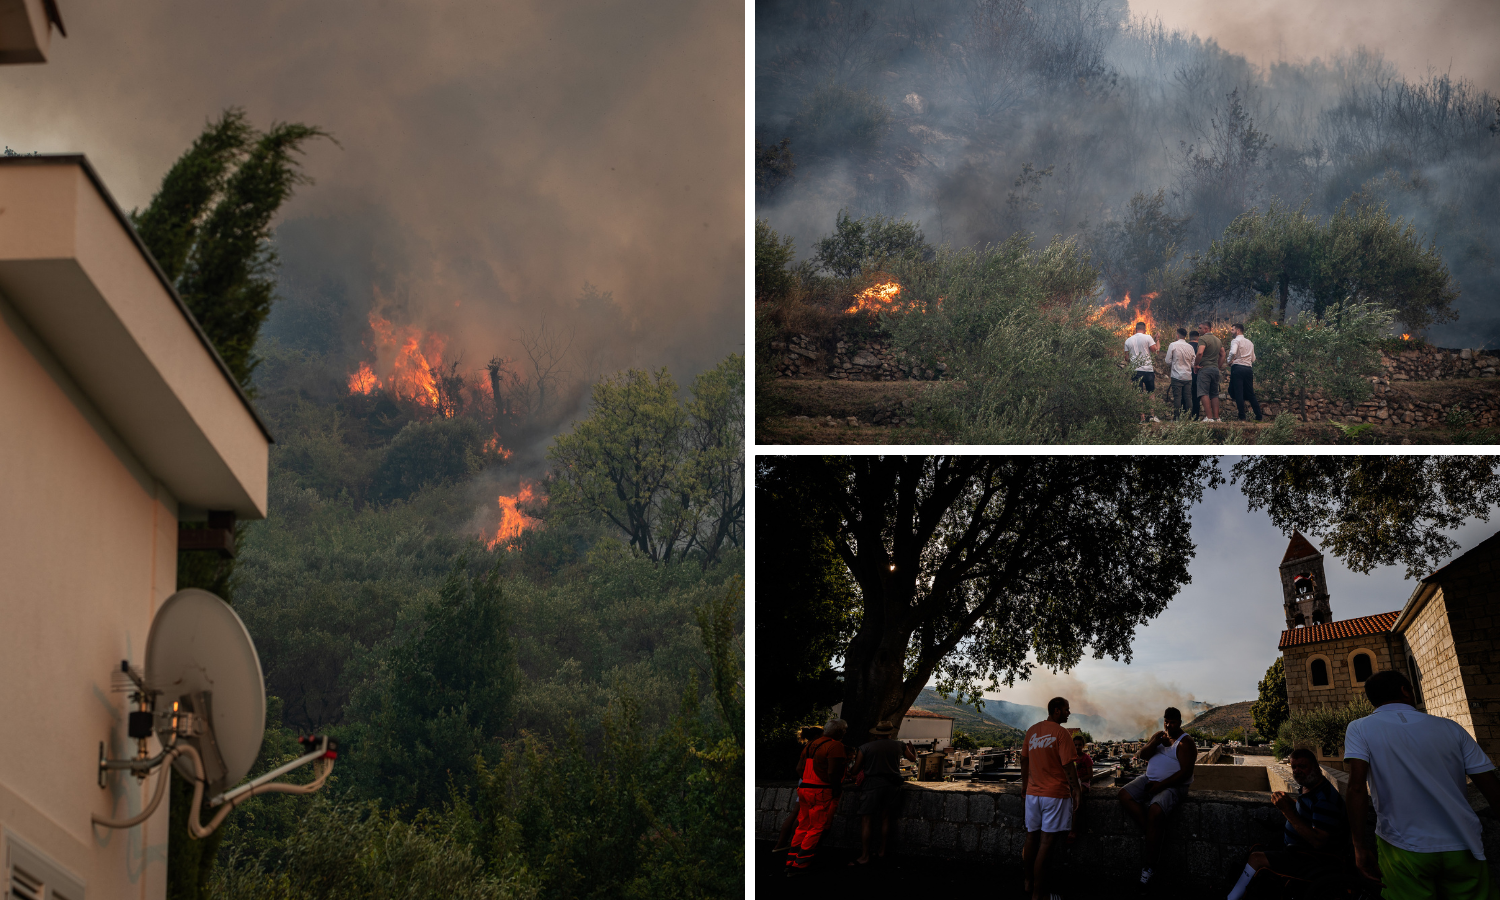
<point x="492" y="446"/>
<point x="410" y="374"/>
<point x="363" y="381"/>
<point x="512" y="521"/>
<point x="876" y="297"/>
<point x="1405" y="337"/>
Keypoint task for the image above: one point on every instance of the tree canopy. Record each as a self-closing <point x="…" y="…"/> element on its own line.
<point x="1374" y="510"/>
<point x="209" y="227"/>
<point x="666" y="474"/>
<point x="1271" y="708"/>
<point x="965" y="565"/>
<point x="1334" y="355"/>
<point x="1360" y="255"/>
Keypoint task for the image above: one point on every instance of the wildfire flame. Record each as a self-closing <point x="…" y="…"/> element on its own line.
<point x="363" y="381"/>
<point x="1141" y="313"/>
<point x="513" y="522"/>
<point x="1405" y="337"/>
<point x="416" y="354"/>
<point x="876" y="297"/>
<point x="492" y="446"/>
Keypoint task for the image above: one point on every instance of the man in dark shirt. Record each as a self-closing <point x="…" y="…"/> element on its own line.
<point x="1314" y="840"/>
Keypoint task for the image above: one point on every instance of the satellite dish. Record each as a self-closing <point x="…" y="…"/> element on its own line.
<point x="201" y="659"/>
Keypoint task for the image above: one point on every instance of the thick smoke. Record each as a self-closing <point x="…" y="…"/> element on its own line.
<point x="982" y="119"/>
<point x="1132" y="709"/>
<point x="492" y="159"/>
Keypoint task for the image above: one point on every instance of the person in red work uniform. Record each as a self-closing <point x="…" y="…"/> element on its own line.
<point x="823" y="763"/>
<point x="1049" y="779"/>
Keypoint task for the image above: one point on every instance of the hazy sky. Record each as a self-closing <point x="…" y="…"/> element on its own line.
<point x="498" y="155"/>
<point x="1413" y="34"/>
<point x="1219" y="635"/>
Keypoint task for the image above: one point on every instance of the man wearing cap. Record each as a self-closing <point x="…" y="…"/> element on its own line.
<point x="879" y="761"/>
<point x="1049" y="781"/>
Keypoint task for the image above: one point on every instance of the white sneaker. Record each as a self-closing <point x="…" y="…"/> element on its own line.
<point x="1210" y="420"/>
<point x="1155" y="419"/>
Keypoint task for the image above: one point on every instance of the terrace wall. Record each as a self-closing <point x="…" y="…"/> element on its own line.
<point x="1206" y="842"/>
<point x="843" y="357"/>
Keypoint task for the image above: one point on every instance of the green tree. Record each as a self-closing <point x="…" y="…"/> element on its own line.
<point x="621" y="463"/>
<point x="1334" y="355"/>
<point x="1374" y="510"/>
<point x="859" y="245"/>
<point x="1368" y="256"/>
<point x="445" y="695"/>
<point x="209" y="227"/>
<point x="773" y="254"/>
<point x="968" y="568"/>
<point x="962" y="741"/>
<point x="1264" y="252"/>
<point x="442" y="451"/>
<point x="665" y="474"/>
<point x="1145" y="240"/>
<point x="1271" y="709"/>
<point x="713" y="474"/>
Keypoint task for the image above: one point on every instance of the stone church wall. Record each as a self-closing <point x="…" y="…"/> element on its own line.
<point x="1301" y="695"/>
<point x="1472" y="598"/>
<point x="1431" y="640"/>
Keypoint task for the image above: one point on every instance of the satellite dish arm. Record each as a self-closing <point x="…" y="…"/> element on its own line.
<point x="246" y="791"/>
<point x="231" y="796"/>
<point x="162" y="777"/>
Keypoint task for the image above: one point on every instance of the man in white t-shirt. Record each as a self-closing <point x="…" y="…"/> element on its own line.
<point x="1428" y="838"/>
<point x="1140" y="346"/>
<point x="1180" y="357"/>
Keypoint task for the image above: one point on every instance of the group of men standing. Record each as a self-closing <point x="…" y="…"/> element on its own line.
<point x="1195" y="362"/>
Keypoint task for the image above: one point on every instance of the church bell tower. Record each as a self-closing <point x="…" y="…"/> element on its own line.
<point x="1303" y="586"/>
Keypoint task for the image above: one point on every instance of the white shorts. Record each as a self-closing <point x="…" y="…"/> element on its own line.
<point x="1049" y="814"/>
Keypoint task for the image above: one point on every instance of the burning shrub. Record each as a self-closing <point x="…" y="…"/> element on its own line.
<point x="1013" y="328"/>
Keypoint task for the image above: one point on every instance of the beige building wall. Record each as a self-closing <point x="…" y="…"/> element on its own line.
<point x="88" y="545"/>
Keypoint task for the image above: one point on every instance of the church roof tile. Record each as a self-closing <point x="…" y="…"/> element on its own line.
<point x="1332" y="631"/>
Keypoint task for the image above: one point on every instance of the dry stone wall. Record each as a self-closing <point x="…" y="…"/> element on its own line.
<point x="1205" y="844"/>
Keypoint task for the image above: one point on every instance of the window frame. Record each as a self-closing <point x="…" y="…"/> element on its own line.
<point x="1328" y="667"/>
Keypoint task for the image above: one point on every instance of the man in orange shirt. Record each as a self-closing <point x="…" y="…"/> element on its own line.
<point x="822" y="780"/>
<point x="1049" y="779"/>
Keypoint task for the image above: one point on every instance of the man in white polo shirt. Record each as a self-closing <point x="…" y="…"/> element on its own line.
<point x="1427" y="835"/>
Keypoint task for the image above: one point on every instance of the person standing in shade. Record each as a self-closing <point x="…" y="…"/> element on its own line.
<point x="784" y="841"/>
<point x="1210" y="360"/>
<point x="1049" y="781"/>
<point x="880" y="792"/>
<point x="1170" y="756"/>
<point x="1180" y="369"/>
<point x="1241" y="373"/>
<point x="1140" y="346"/>
<point x="1428" y="839"/>
<point x="823" y="762"/>
<point x="1085" y="764"/>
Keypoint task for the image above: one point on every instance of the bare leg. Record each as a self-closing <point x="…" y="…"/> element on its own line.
<point x="1028" y="855"/>
<point x="1258" y="861"/>
<point x="1134" y="809"/>
<point x="1153" y="835"/>
<point x="864" y="840"/>
<point x="885" y="833"/>
<point x="1038" y="869"/>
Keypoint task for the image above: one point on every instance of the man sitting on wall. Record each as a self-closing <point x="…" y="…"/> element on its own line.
<point x="1428" y="838"/>
<point x="1315" y="841"/>
<point x="1170" y="756"/>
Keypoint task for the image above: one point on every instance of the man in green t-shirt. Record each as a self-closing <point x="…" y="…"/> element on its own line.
<point x="1210" y="359"/>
